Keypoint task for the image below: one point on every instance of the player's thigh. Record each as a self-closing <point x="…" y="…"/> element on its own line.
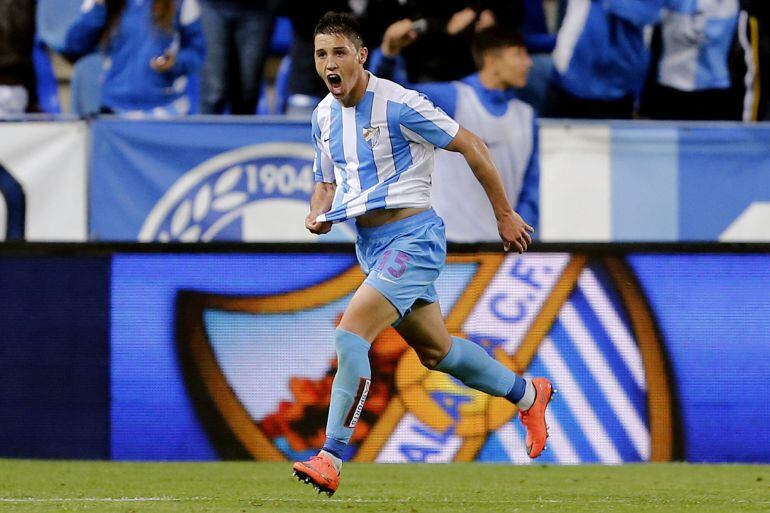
<point x="424" y="330"/>
<point x="368" y="313"/>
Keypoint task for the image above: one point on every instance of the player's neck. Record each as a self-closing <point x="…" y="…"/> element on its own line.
<point x="357" y="93"/>
<point x="489" y="80"/>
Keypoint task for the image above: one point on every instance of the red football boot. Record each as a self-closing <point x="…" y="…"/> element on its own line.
<point x="534" y="418"/>
<point x="318" y="471"/>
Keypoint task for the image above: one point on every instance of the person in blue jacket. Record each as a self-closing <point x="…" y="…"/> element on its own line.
<point x="151" y="48"/>
<point x="486" y="103"/>
<point x="600" y="59"/>
<point x="704" y="63"/>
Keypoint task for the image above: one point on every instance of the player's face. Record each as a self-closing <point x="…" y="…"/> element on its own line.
<point x="512" y="65"/>
<point x="341" y="66"/>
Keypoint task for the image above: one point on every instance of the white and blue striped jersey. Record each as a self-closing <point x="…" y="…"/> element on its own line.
<point x="697" y="36"/>
<point x="380" y="152"/>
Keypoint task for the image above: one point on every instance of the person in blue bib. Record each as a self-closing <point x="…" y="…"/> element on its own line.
<point x="374" y="146"/>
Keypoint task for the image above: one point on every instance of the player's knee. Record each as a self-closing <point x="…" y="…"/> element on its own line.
<point x="430" y="357"/>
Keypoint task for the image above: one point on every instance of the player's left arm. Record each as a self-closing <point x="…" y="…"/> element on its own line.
<point x="325" y="186"/>
<point x="512" y="228"/>
<point x="431" y="124"/>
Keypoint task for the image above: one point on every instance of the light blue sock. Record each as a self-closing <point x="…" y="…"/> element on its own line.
<point x="349" y="389"/>
<point x="469" y="363"/>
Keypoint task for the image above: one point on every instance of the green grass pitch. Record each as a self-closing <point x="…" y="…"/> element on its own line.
<point x="44" y="486"/>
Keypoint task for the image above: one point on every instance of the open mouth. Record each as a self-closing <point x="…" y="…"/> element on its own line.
<point x="335" y="83"/>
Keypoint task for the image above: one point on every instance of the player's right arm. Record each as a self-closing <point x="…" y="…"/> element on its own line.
<point x="320" y="202"/>
<point x="323" y="173"/>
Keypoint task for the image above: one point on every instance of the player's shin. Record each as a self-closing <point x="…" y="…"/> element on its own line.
<point x="349" y="391"/>
<point x="469" y="363"/>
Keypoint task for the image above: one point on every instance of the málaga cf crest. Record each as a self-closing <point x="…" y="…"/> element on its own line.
<point x="371" y="135"/>
<point x="260" y="368"/>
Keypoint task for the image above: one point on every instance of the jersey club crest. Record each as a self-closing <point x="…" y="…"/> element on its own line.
<point x="371" y="135"/>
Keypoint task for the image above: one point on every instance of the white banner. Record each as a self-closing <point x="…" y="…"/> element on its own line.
<point x="43" y="181"/>
<point x="575" y="182"/>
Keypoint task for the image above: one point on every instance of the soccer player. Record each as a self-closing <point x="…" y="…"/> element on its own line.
<point x="374" y="144"/>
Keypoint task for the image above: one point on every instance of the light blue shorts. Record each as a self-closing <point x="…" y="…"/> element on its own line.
<point x="402" y="259"/>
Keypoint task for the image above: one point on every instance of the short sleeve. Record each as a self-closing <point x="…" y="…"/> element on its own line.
<point x="323" y="168"/>
<point x="430" y="123"/>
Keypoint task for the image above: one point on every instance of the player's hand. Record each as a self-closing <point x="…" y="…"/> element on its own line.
<point x="514" y="232"/>
<point x="163" y="63"/>
<point x="397" y="36"/>
<point x="315" y="227"/>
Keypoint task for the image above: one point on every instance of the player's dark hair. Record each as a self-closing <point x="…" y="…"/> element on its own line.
<point x="491" y="39"/>
<point x="340" y="23"/>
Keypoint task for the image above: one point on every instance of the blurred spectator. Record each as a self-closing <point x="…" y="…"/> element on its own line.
<point x="150" y="47"/>
<point x="305" y="88"/>
<point x="759" y="32"/>
<point x="375" y="16"/>
<point x="540" y="43"/>
<point x="699" y="72"/>
<point x="442" y="53"/>
<point x="600" y="58"/>
<point x="534" y="26"/>
<point x="446" y="29"/>
<point x="485" y="103"/>
<point x="17" y="71"/>
<point x="237" y="39"/>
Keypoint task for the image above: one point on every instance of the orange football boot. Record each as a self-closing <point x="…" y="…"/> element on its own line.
<point x="319" y="472"/>
<point x="534" y="418"/>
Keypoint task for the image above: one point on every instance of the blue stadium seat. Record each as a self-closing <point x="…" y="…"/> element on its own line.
<point x="282" y="86"/>
<point x="194" y="92"/>
<point x="281" y="39"/>
<point x="86" y="87"/>
<point x="263" y="105"/>
<point x="47" y="87"/>
<point x="280" y="91"/>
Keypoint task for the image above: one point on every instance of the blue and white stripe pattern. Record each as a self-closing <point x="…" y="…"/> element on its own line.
<point x="697" y="35"/>
<point x="591" y="357"/>
<point x="380" y="152"/>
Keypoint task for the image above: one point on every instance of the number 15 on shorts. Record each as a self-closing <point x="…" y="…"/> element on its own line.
<point x="393" y="264"/>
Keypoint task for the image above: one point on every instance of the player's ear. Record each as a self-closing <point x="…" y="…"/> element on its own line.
<point x="363" y="53"/>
